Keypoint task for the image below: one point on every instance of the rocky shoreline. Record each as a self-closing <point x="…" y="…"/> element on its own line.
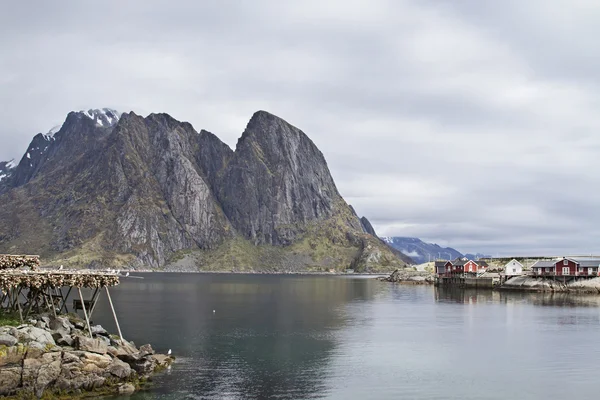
<point x="57" y="358"/>
<point x="539" y="284"/>
<point x="409" y="277"/>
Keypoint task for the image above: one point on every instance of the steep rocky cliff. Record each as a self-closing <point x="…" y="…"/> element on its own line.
<point x="110" y="189"/>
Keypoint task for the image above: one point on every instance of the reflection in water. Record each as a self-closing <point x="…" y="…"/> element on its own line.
<point x="269" y="336"/>
<point x="343" y="338"/>
<point x="552" y="299"/>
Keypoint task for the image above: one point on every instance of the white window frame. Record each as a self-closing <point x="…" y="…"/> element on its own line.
<point x="566" y="270"/>
<point x="565" y="262"/>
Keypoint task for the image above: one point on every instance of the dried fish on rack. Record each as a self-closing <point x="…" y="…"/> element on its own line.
<point x="55" y="279"/>
<point x="8" y="261"/>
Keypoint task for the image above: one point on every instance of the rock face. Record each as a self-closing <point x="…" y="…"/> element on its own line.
<point x="31" y="364"/>
<point x="277" y="182"/>
<point x="108" y="189"/>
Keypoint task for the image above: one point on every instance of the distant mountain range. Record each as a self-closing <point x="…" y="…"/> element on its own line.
<point x="422" y="252"/>
<point x="112" y="189"/>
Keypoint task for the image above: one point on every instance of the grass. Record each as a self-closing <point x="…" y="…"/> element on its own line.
<point x="9" y="319"/>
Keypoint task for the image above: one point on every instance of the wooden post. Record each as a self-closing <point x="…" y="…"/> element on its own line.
<point x="52" y="302"/>
<point x="114" y="313"/>
<point x="20" y="311"/>
<point x="65" y="298"/>
<point x="94" y="301"/>
<point x="85" y="312"/>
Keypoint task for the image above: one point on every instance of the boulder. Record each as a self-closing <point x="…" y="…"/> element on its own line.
<point x="126" y="388"/>
<point x="61" y="324"/>
<point x="92" y="345"/>
<point x="99" y="330"/>
<point x="10" y="379"/>
<point x="119" y="369"/>
<point x="47" y="374"/>
<point x="12" y="355"/>
<point x="7" y="340"/>
<point x="144" y="366"/>
<point x="146" y="350"/>
<point x="36" y="349"/>
<point x="99" y="360"/>
<point x="32" y="334"/>
<point x="39" y="372"/>
<point x="62" y="339"/>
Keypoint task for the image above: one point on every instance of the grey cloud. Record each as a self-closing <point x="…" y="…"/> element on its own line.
<point x="468" y="123"/>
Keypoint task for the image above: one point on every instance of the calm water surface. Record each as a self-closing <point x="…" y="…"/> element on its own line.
<point x="307" y="337"/>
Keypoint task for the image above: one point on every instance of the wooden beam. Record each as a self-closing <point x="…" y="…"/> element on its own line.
<point x="114" y="313"/>
<point x="85" y="312"/>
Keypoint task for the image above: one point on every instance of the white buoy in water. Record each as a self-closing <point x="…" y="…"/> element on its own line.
<point x="214" y="311"/>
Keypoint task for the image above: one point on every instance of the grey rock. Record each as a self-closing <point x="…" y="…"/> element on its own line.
<point x="276" y="183"/>
<point x="33" y="334"/>
<point x="7" y="340"/>
<point x="367" y="227"/>
<point x="61" y="324"/>
<point x="36" y="349"/>
<point x="146" y="350"/>
<point x="13" y="355"/>
<point x="119" y="369"/>
<point x="10" y="379"/>
<point x="126" y="388"/>
<point x="62" y="339"/>
<point x="99" y="330"/>
<point x="91" y="345"/>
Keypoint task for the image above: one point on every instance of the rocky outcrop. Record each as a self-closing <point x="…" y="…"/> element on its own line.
<point x="541" y="284"/>
<point x="276" y="183"/>
<point x="368" y="228"/>
<point x="33" y="363"/>
<point x="410" y="277"/>
<point x="147" y="192"/>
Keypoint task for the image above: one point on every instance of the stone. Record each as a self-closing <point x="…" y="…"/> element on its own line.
<point x="47" y="374"/>
<point x="39" y="372"/>
<point x="99" y="360"/>
<point x="144" y="366"/>
<point x="63" y="339"/>
<point x="91" y="345"/>
<point x="146" y="350"/>
<point x="126" y="388"/>
<point x="12" y="355"/>
<point x="119" y="369"/>
<point x="61" y="324"/>
<point x="33" y="334"/>
<point x="99" y="330"/>
<point x="162" y="359"/>
<point x="7" y="340"/>
<point x="36" y="349"/>
<point x="10" y="379"/>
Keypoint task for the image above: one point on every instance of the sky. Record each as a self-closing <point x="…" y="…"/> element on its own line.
<point x="468" y="123"/>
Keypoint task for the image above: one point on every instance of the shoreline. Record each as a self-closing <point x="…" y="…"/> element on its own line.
<point x="53" y="357"/>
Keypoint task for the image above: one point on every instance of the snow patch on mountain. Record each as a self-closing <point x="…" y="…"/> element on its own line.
<point x="105" y="117"/>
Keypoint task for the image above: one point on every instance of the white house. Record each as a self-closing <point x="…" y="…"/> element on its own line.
<point x="513" y="267"/>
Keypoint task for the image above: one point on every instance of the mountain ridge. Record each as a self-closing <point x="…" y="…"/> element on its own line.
<point x="112" y="189"/>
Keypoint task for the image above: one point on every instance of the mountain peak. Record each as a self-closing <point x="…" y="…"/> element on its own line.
<point x="105" y="117"/>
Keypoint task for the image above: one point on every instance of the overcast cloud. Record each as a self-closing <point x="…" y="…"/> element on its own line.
<point x="470" y="123"/>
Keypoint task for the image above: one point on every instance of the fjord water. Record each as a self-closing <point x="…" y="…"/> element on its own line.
<point x="342" y="337"/>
